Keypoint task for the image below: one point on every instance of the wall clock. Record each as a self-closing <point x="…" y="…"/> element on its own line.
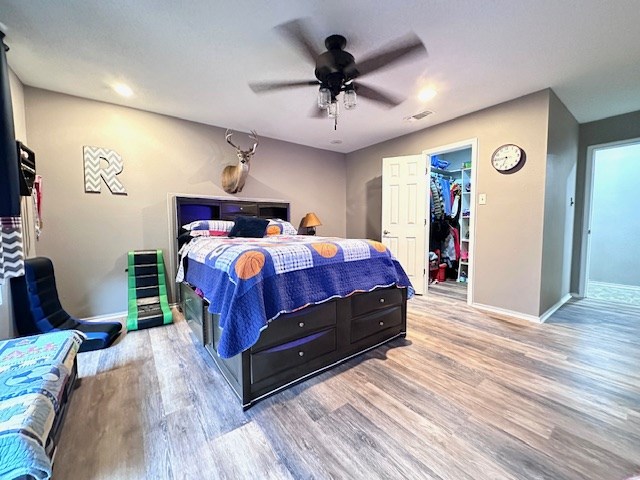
<point x="508" y="158"/>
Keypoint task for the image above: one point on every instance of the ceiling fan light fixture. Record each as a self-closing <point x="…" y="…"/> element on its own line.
<point x="350" y="99"/>
<point x="324" y="97"/>
<point x="333" y="110"/>
<point x="426" y="94"/>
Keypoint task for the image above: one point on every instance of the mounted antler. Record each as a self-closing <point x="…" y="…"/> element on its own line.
<point x="234" y="176"/>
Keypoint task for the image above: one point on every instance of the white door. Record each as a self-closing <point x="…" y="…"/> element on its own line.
<point x="404" y="207"/>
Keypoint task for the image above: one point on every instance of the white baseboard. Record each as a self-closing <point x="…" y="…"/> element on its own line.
<point x="508" y="313"/>
<point x="524" y="316"/>
<point x="544" y="317"/>
<point x="114" y="317"/>
<point x="108" y="317"/>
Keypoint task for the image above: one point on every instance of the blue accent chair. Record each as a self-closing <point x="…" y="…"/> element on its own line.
<point x="37" y="308"/>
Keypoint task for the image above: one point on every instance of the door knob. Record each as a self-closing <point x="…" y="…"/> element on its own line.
<point x="386" y="232"/>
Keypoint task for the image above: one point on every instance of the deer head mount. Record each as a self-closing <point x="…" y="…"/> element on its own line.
<point x="234" y="176"/>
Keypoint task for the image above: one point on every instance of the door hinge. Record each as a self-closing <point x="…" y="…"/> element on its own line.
<point x="425" y="222"/>
<point x="424" y="272"/>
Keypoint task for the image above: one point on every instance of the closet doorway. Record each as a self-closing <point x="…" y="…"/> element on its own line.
<point x="451" y="173"/>
<point x="612" y="268"/>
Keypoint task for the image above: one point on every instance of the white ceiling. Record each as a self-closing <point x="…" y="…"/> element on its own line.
<point x="193" y="59"/>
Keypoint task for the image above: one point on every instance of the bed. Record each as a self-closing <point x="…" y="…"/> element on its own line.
<point x="37" y="377"/>
<point x="272" y="311"/>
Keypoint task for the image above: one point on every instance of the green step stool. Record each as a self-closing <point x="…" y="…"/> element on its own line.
<point x="148" y="304"/>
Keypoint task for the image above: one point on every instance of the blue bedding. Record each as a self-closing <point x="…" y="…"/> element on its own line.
<point x="33" y="373"/>
<point x="250" y="282"/>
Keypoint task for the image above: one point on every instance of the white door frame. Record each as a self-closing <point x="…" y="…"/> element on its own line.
<point x="585" y="242"/>
<point x="452" y="147"/>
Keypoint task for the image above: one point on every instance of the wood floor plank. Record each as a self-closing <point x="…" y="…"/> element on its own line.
<point x="245" y="453"/>
<point x="466" y="395"/>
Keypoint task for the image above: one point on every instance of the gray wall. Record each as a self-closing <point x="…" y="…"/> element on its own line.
<point x="88" y="235"/>
<point x="17" y="102"/>
<point x="560" y="184"/>
<point x="614" y="227"/>
<point x="612" y="129"/>
<point x="509" y="227"/>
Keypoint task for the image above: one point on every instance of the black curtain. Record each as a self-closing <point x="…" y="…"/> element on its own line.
<point x="9" y="185"/>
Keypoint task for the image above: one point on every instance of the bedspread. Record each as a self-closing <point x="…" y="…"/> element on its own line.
<point x="250" y="282"/>
<point x="33" y="373"/>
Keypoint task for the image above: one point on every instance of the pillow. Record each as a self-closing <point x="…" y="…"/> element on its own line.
<point x="208" y="233"/>
<point x="217" y="225"/>
<point x="280" y="227"/>
<point x="249" y="227"/>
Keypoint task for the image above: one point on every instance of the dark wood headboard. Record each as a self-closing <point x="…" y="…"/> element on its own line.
<point x="189" y="209"/>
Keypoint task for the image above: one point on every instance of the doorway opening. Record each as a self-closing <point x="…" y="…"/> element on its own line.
<point x="450" y="219"/>
<point x="611" y="270"/>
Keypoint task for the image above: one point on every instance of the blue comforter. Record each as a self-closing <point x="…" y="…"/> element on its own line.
<point x="250" y="282"/>
<point x="33" y="374"/>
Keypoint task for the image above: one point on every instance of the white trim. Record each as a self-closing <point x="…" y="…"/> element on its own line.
<point x="586" y="214"/>
<point x="545" y="316"/>
<point x="452" y="147"/>
<point x="508" y="313"/>
<point x="107" y="317"/>
<point x="524" y="316"/>
<point x="619" y="286"/>
<point x="114" y="317"/>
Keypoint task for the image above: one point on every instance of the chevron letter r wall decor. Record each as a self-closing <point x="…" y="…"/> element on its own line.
<point x="93" y="170"/>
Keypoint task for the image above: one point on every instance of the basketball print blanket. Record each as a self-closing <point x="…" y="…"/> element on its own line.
<point x="250" y="282"/>
<point x="33" y="373"/>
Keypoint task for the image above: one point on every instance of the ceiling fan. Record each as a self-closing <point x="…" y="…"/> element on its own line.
<point x="336" y="70"/>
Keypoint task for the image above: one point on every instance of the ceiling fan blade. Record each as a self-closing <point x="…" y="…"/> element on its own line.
<point x="400" y="49"/>
<point x="261" y="87"/>
<point x="377" y="95"/>
<point x="298" y="33"/>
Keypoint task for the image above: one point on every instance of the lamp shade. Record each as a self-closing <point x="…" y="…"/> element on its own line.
<point x="311" y="220"/>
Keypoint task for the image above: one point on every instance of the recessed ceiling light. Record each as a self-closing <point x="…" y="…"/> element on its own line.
<point x="426" y="94"/>
<point x="122" y="89"/>
<point x="336" y="142"/>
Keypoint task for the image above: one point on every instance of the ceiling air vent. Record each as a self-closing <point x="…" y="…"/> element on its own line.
<point x="417" y="116"/>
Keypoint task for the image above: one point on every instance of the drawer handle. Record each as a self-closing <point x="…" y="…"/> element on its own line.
<point x="301" y="353"/>
<point x="301" y="324"/>
<point x="382" y="300"/>
<point x="381" y="324"/>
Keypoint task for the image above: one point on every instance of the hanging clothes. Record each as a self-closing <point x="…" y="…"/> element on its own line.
<point x="455" y="233"/>
<point x="436" y="198"/>
<point x="456" y="194"/>
<point x="445" y="188"/>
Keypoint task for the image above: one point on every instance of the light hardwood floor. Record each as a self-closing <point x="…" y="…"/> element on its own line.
<point x="449" y="288"/>
<point x="465" y="396"/>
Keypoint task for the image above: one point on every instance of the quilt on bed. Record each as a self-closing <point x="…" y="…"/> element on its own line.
<point x="250" y="282"/>
<point x="33" y="374"/>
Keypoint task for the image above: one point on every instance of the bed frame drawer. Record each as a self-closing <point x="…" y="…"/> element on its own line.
<point x="375" y="300"/>
<point x="297" y="324"/>
<point x="292" y="354"/>
<point x="193" y="309"/>
<point x="376" y="322"/>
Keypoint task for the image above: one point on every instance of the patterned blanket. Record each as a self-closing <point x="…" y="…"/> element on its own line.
<point x="250" y="282"/>
<point x="33" y="373"/>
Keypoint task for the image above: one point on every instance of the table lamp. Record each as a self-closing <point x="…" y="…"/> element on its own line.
<point x="310" y="222"/>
